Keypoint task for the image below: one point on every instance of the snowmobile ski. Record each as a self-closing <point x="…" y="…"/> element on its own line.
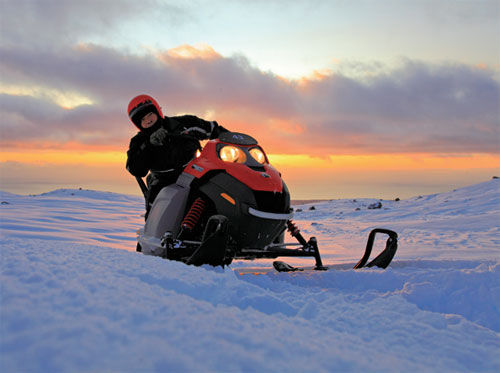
<point x="385" y="257"/>
<point x="285" y="267"/>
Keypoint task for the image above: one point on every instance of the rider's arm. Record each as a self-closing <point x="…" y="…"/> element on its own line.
<point x="138" y="156"/>
<point x="200" y="128"/>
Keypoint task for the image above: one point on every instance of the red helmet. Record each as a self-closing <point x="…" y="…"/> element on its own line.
<point x="140" y="106"/>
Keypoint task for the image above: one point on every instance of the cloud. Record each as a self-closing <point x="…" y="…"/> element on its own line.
<point x="417" y="107"/>
<point x="27" y="119"/>
<point x="57" y="23"/>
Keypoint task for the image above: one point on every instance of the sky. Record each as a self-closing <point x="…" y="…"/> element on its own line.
<point x="348" y="98"/>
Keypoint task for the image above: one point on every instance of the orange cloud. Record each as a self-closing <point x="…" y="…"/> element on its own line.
<point x="187" y="51"/>
<point x="287" y="126"/>
<point x="318" y="75"/>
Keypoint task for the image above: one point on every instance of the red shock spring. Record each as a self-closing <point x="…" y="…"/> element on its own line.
<point x="295" y="232"/>
<point x="292" y="228"/>
<point x="194" y="214"/>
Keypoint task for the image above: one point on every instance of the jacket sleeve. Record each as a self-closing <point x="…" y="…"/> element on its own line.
<point x="138" y="155"/>
<point x="200" y="128"/>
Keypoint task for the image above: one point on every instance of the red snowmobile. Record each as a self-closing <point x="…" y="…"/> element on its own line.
<point x="230" y="203"/>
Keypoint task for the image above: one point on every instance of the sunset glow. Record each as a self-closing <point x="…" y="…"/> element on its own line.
<point x="297" y="169"/>
<point x="388" y="161"/>
<point x="64" y="157"/>
<point x="337" y="112"/>
<point x="295" y="161"/>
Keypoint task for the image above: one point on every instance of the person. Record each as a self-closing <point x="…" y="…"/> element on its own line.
<point x="164" y="145"/>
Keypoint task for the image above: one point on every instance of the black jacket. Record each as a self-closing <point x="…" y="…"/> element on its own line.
<point x="169" y="144"/>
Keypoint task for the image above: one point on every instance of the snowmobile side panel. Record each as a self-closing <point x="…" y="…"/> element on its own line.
<point x="165" y="216"/>
<point x="184" y="180"/>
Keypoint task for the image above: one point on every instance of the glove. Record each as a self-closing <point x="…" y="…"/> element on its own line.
<point x="218" y="130"/>
<point x="159" y="137"/>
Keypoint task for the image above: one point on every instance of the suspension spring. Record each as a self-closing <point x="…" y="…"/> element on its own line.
<point x="194" y="214"/>
<point x="295" y="232"/>
<point x="292" y="228"/>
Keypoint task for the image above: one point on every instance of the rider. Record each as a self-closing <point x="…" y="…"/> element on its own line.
<point x="164" y="145"/>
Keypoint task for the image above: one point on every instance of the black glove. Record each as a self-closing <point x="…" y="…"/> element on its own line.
<point x="218" y="130"/>
<point x="159" y="137"/>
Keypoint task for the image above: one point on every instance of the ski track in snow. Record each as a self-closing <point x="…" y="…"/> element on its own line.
<point x="71" y="301"/>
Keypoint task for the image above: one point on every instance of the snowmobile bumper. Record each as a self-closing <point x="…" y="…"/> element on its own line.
<point x="269" y="215"/>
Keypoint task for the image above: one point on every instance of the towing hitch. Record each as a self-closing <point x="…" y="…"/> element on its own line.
<point x="385" y="257"/>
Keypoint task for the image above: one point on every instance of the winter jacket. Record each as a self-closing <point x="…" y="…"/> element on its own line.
<point x="169" y="145"/>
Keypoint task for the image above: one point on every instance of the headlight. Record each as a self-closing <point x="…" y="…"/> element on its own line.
<point x="232" y="154"/>
<point x="258" y="155"/>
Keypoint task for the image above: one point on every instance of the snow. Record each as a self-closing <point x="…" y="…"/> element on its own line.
<point x="73" y="300"/>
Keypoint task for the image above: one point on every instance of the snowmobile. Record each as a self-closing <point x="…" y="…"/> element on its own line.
<point x="231" y="203"/>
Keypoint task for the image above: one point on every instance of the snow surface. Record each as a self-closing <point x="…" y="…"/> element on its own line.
<point x="72" y="300"/>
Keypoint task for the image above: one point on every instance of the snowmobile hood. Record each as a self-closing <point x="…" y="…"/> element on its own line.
<point x="258" y="176"/>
